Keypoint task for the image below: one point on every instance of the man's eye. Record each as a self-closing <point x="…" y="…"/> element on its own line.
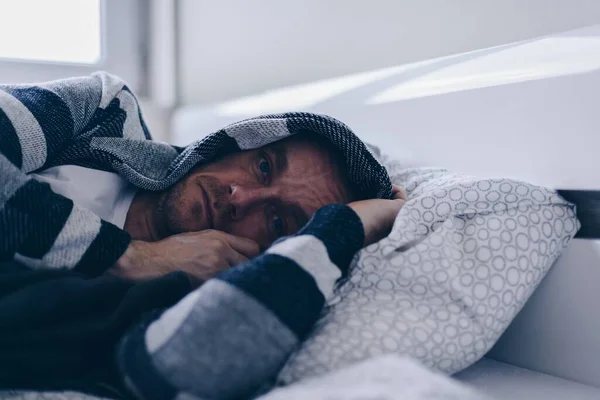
<point x="265" y="166"/>
<point x="277" y="225"/>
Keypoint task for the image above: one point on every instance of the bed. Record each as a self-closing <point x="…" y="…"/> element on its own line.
<point x="526" y="110"/>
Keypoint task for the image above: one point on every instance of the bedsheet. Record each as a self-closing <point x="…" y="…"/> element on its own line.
<point x="387" y="377"/>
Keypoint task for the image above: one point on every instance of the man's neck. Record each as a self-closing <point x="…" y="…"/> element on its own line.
<point x="141" y="221"/>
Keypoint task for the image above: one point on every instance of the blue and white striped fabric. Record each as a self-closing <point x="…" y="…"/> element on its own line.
<point x="235" y="332"/>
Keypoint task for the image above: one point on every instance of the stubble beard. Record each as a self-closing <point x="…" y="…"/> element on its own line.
<point x="168" y="213"/>
<point x="171" y="208"/>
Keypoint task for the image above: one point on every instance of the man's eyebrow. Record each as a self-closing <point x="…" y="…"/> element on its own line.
<point x="280" y="152"/>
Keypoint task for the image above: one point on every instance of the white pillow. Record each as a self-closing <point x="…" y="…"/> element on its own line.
<point x="462" y="259"/>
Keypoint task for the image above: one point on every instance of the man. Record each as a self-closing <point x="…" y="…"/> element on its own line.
<point x="83" y="189"/>
<point x="232" y="208"/>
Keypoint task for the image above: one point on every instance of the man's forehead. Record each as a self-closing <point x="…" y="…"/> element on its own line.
<point x="280" y="151"/>
<point x="303" y="145"/>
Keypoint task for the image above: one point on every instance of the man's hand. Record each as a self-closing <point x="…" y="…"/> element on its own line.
<point x="378" y="215"/>
<point x="201" y="255"/>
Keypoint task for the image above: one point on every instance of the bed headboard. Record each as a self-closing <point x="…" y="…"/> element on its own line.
<point x="529" y="111"/>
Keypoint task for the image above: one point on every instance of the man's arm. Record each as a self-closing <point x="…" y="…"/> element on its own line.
<point x="235" y="332"/>
<point x="37" y="122"/>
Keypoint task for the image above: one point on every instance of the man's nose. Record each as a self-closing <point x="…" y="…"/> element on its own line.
<point x="244" y="198"/>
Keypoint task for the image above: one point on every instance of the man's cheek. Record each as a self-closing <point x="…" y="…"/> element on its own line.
<point x="186" y="218"/>
<point x="195" y="219"/>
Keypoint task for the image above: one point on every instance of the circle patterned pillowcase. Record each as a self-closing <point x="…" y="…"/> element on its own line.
<point x="462" y="259"/>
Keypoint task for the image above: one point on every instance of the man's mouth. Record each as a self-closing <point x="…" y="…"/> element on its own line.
<point x="207" y="208"/>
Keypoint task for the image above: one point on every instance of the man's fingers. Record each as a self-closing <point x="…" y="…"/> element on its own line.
<point x="248" y="248"/>
<point x="234" y="258"/>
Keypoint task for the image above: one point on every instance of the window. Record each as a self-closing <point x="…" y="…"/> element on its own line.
<point x="58" y="30"/>
<point x="51" y="39"/>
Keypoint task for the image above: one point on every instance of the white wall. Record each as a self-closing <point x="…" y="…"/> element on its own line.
<point x="229" y="48"/>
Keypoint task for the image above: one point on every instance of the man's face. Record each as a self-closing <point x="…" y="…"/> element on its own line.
<point x="259" y="194"/>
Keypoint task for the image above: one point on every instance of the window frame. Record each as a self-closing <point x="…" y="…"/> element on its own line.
<point x="123" y="51"/>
